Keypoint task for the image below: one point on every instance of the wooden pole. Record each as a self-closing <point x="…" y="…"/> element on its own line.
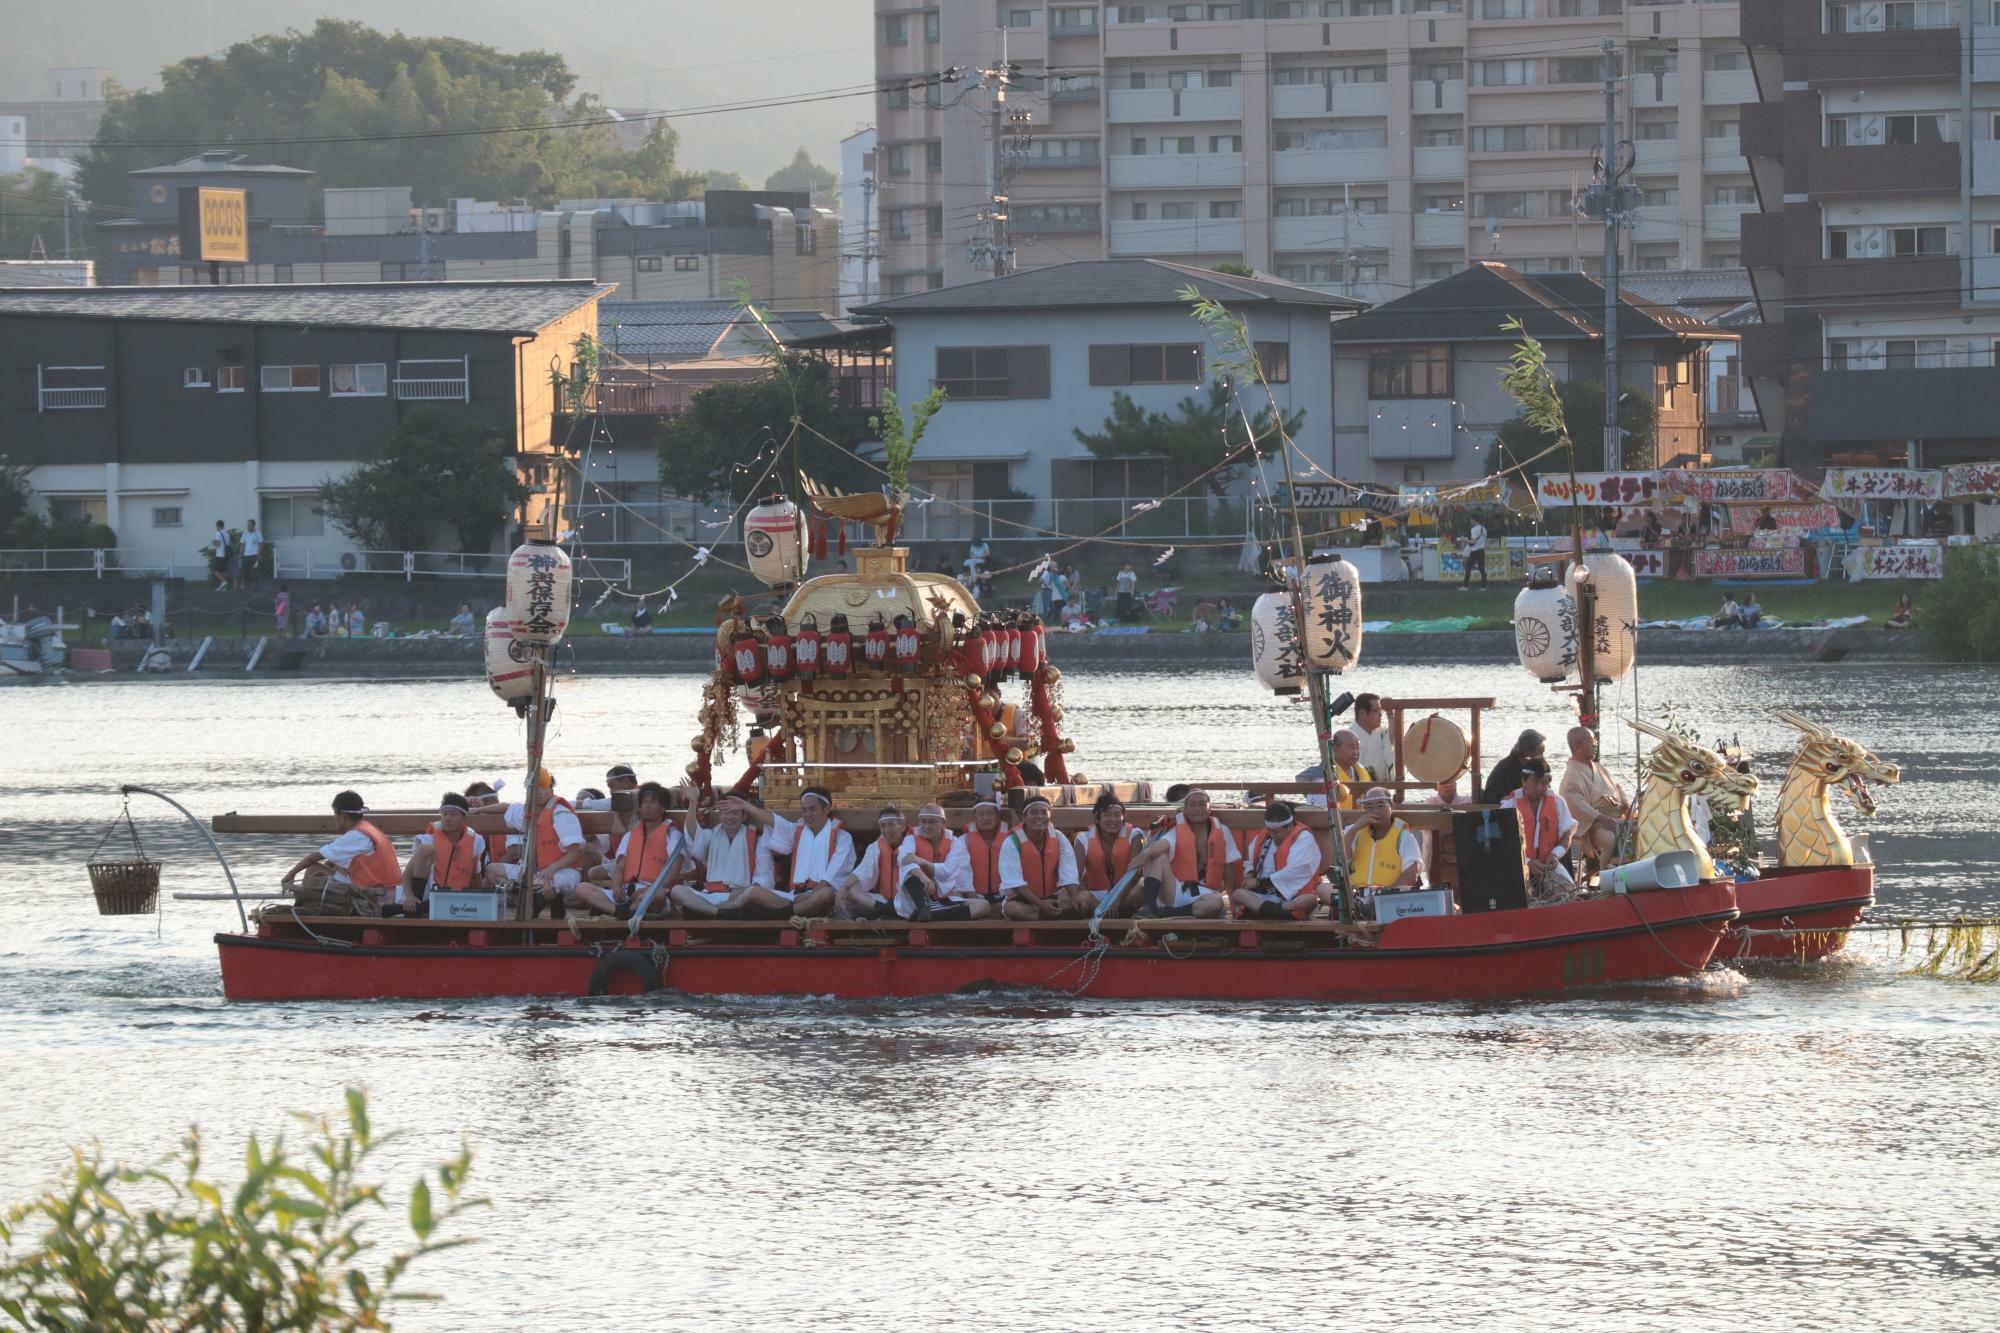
<point x="538" y="730"/>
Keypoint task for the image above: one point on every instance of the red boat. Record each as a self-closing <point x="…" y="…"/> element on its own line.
<point x="1800" y="913"/>
<point x="1487" y="955"/>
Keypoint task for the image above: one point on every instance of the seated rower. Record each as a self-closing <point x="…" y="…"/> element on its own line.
<point x="447" y="855"/>
<point x="982" y="844"/>
<point x="1190" y="871"/>
<point x="943" y="890"/>
<point x="1546" y="829"/>
<point x="868" y="892"/>
<point x="562" y="855"/>
<point x="361" y="855"/>
<point x="1282" y="865"/>
<point x="652" y="846"/>
<point x="1382" y="852"/>
<point x="484" y="796"/>
<point x="727" y="854"/>
<point x="1350" y="775"/>
<point x="1105" y="852"/>
<point x="821" y="851"/>
<point x="1038" y="878"/>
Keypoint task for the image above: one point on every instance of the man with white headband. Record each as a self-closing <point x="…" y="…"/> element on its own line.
<point x="562" y="854"/>
<point x="1382" y="853"/>
<point x="447" y="855"/>
<point x="1282" y="866"/>
<point x="821" y="852"/>
<point x="868" y="893"/>
<point x="1197" y="858"/>
<point x="1038" y="878"/>
<point x="982" y="843"/>
<point x="943" y="890"/>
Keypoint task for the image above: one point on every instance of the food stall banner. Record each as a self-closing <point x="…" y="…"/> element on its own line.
<point x="1899" y="562"/>
<point x="1882" y="483"/>
<point x="1342" y="495"/>
<point x="1647" y="564"/>
<point x="1598" y="488"/>
<point x="1787" y="563"/>
<point x="1800" y="518"/>
<point x="1750" y="486"/>
<point x="1972" y="481"/>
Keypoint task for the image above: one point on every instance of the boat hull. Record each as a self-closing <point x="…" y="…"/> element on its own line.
<point x="1800" y="912"/>
<point x="1640" y="937"/>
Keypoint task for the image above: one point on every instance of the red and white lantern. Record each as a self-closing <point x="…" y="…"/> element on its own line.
<point x="1013" y="648"/>
<point x="745" y="658"/>
<point x="879" y="644"/>
<point x="906" y="644"/>
<point x="806" y="647"/>
<point x="1033" y="649"/>
<point x="838" y="649"/>
<point x="777" y="649"/>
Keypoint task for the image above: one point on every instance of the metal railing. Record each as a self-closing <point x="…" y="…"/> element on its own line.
<point x="454" y="389"/>
<point x="70" y="400"/>
<point x="289" y="562"/>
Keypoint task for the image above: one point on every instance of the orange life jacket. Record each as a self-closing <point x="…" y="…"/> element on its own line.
<point x="1041" y="866"/>
<point x="1210" y="875"/>
<point x="1286" y="845"/>
<point x="377" y="868"/>
<point x="985" y="855"/>
<point x="749" y="861"/>
<point x="1539" y="830"/>
<point x="454" y="864"/>
<point x="646" y="852"/>
<point x="1096" y="874"/>
<point x="832" y="832"/>
<point x="886" y="859"/>
<point x="548" y="849"/>
<point x="937" y="853"/>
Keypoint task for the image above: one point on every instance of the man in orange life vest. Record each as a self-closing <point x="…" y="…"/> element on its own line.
<point x="647" y="849"/>
<point x="982" y="843"/>
<point x="447" y="855"/>
<point x="361" y="854"/>
<point x="1038" y="876"/>
<point x="1281" y="868"/>
<point x="869" y="891"/>
<point x="727" y="854"/>
<point x="820" y="849"/>
<point x="1106" y="850"/>
<point x="1546" y="827"/>
<point x="562" y="854"/>
<point x="484" y="796"/>
<point x="945" y="891"/>
<point x="1197" y="856"/>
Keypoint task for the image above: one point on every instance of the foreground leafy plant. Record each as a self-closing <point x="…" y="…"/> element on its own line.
<point x="282" y="1250"/>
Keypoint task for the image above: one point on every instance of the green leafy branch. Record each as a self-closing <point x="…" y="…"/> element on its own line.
<point x="899" y="438"/>
<point x="1527" y="380"/>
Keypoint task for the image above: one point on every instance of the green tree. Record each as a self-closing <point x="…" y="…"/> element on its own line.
<point x="709" y="448"/>
<point x="1235" y="270"/>
<point x="432" y="471"/>
<point x="1583" y="409"/>
<point x="361" y="95"/>
<point x="1959" y="615"/>
<point x="802" y="173"/>
<point x="31" y="209"/>
<point x="167" y="1247"/>
<point x="1194" y="439"/>
<point x="723" y="180"/>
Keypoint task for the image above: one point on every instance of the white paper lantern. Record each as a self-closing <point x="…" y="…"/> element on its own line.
<point x="508" y="668"/>
<point x="1545" y="634"/>
<point x="1333" y="613"/>
<point x="1614" y="634"/>
<point x="538" y="592"/>
<point x="774" y="539"/>
<point x="1274" y="644"/>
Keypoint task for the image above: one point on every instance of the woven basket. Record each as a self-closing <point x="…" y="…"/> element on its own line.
<point x="125" y="888"/>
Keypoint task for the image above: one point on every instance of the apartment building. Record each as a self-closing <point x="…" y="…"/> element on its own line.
<point x="1876" y="254"/>
<point x="1364" y="146"/>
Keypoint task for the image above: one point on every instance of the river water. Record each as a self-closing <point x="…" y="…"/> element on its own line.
<point x="1789" y="1148"/>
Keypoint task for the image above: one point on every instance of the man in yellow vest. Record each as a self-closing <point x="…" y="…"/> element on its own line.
<point x="1381" y="850"/>
<point x="1349" y="773"/>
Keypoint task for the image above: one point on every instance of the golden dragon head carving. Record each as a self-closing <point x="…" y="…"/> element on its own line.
<point x="1835" y="761"/>
<point x="1695" y="769"/>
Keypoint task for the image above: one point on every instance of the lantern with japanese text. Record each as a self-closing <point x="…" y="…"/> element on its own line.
<point x="1332" y="594"/>
<point x="746" y="659"/>
<point x="837" y="651"/>
<point x="538" y="592"/>
<point x="1545" y="635"/>
<point x="509" y="668"/>
<point x="1614" y="627"/>
<point x="806" y="647"/>
<point x="777" y="649"/>
<point x="773" y="539"/>
<point x="879" y="642"/>
<point x="1033" y="647"/>
<point x="906" y="643"/>
<point x="1274" y="644"/>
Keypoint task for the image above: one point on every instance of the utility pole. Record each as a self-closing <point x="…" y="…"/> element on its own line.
<point x="868" y="254"/>
<point x="1614" y="450"/>
<point x="1009" y="131"/>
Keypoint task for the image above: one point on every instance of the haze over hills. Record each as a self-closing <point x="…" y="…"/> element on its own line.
<point x="653" y="53"/>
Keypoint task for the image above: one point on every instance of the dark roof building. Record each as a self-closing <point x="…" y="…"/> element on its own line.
<point x="519" y="308"/>
<point x="1474" y="303"/>
<point x="1100" y="284"/>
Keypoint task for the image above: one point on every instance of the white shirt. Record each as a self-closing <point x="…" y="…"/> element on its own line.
<point x="1565" y="821"/>
<point x="726" y="860"/>
<point x="1011" y="877"/>
<point x="1128" y="580"/>
<point x="953" y="875"/>
<point x="1231" y="855"/>
<point x="827" y="855"/>
<point x="219" y="543"/>
<point x="868" y="874"/>
<point x="253" y="541"/>
<point x="1291" y="878"/>
<point x="1475" y="540"/>
<point x="569" y="831"/>
<point x="343" y="849"/>
<point x="1378" y="749"/>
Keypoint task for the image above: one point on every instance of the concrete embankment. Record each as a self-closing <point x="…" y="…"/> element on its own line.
<point x="441" y="657"/>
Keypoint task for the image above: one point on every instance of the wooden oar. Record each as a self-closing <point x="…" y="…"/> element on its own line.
<point x="666" y="871"/>
<point x="1160" y="830"/>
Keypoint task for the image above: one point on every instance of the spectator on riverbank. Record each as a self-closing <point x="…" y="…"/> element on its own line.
<point x="461" y="624"/>
<point x="316" y="626"/>
<point x="1227" y="617"/>
<point x="1753" y="612"/>
<point x="1128" y="593"/>
<point x="1730" y="616"/>
<point x="253" y="554"/>
<point x="281" y="611"/>
<point x="357" y="622"/>
<point x="1904" y="614"/>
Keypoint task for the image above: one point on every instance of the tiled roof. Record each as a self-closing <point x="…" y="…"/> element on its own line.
<point x="1108" y="282"/>
<point x="203" y="164"/>
<point x="1472" y="304"/>
<point x="1690" y="287"/>
<point x="688" y="329"/>
<point x="470" y="307"/>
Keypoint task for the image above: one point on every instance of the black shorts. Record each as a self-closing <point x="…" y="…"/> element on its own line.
<point x="952" y="911"/>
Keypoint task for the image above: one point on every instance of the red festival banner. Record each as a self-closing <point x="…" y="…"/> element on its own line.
<point x="1598" y="488"/>
<point x="1972" y="481"/>
<point x="1789" y="562"/>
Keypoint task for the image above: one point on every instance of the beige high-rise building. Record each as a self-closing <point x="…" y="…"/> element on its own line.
<point x="1365" y="146"/>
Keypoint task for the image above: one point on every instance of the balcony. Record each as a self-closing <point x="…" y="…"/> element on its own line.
<point x="1656" y="157"/>
<point x="1332" y="166"/>
<point x="1721" y="222"/>
<point x="1141" y="105"/>
<point x="1876" y="170"/>
<point x="1330" y="99"/>
<point x="1656" y="225"/>
<point x="1874" y="59"/>
<point x="1655" y="90"/>
<point x="1986" y="166"/>
<point x="1437" y="231"/>
<point x="1950" y="403"/>
<point x="1725" y="155"/>
<point x="1928" y="281"/>
<point x="1328" y="231"/>
<point x="1177" y="171"/>
<point x="1088" y="159"/>
<point x="1438" y="164"/>
<point x="446" y="380"/>
<point x="1728" y="87"/>
<point x="1177" y="236"/>
<point x="1428" y="95"/>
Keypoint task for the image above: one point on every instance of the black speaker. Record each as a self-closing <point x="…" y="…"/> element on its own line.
<point x="1491" y="874"/>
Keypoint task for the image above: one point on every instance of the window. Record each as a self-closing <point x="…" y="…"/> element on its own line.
<point x="1138" y="145"/>
<point x="931" y="25"/>
<point x="1222" y="78"/>
<point x="1056" y="217"/>
<point x="896" y="97"/>
<point x="71" y="388"/>
<point x="899" y="224"/>
<point x="1575" y="137"/>
<point x="365" y="379"/>
<point x="1725" y="60"/>
<point x="1434" y="270"/>
<point x="1507" y="204"/>
<point x="1138" y="210"/>
<point x="1914" y="129"/>
<point x="934" y="221"/>
<point x="1906" y="242"/>
<point x="1994" y="242"/>
<point x="1225" y="208"/>
<point x="934" y="156"/>
<point x="195" y="377"/>
<point x="651" y="263"/>
<point x="1507" y="9"/>
<point x="896" y="30"/>
<point x="1410" y="372"/>
<point x="1072" y="18"/>
<point x="229" y="379"/>
<point x="286" y="517"/>
<point x="288" y="379"/>
<point x="434" y="379"/>
<point x="1505" y="73"/>
<point x="166" y="516"/>
<point x="1225" y="143"/>
<point x="1578" y="69"/>
<point x="1145" y="363"/>
<point x="281" y="273"/>
<point x="1653" y="129"/>
<point x="1276" y="361"/>
<point x="988" y="374"/>
<point x="413" y="271"/>
<point x="1016" y="18"/>
<point x="1721" y="129"/>
<point x="1441" y="136"/>
<point x="1442" y="203"/>
<point x="1661" y="196"/>
<point x="1506" y="138"/>
<point x="1915" y="353"/>
<point x="1906" y="14"/>
<point x="805" y="239"/>
<point x="896" y="159"/>
<point x="1176" y="210"/>
<point x="1177" y="144"/>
